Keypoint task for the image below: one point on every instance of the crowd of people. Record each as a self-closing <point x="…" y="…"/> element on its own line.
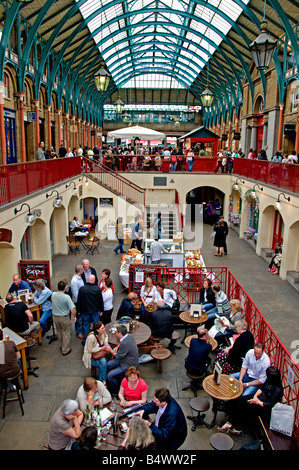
<point x="114" y="371"/>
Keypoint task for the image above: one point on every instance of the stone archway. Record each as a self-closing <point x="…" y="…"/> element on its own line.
<point x="7" y="256"/>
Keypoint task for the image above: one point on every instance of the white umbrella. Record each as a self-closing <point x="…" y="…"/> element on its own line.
<point x="137" y="132"/>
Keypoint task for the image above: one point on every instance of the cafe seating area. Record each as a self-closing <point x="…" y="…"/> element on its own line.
<point x="60" y="377"/>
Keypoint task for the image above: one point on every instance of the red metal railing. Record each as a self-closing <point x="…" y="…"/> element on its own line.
<point x="186" y="282"/>
<point x="282" y="175"/>
<point x="20" y="179"/>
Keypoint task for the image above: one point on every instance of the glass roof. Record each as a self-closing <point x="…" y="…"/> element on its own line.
<point x="148" y="39"/>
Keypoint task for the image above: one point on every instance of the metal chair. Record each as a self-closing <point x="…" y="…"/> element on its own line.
<point x="93" y="246"/>
<point x="73" y="244"/>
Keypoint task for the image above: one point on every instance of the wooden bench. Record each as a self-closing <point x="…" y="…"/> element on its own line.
<point x="273" y="440"/>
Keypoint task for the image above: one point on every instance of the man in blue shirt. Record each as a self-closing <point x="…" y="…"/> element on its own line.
<point x="18" y="284"/>
<point x="42" y="297"/>
<point x="76" y="283"/>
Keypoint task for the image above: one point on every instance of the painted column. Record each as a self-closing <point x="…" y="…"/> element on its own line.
<point x="49" y="126"/>
<point x="280" y="127"/>
<point x="84" y="134"/>
<point x="297" y="134"/>
<point x="67" y="131"/>
<point x="74" y="131"/>
<point x="2" y="128"/>
<point x="22" y="126"/>
<point x="59" y="125"/>
<point x="223" y="141"/>
<point x="36" y="104"/>
<point x="79" y="133"/>
<point x="236" y="130"/>
<point x="229" y="135"/>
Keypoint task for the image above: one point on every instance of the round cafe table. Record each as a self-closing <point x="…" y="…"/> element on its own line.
<point x="141" y="333"/>
<point x="191" y="320"/>
<point x="221" y="393"/>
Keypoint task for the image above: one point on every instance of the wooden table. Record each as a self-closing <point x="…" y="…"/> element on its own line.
<point x="21" y="344"/>
<point x="190" y="320"/>
<point x="221" y="393"/>
<point x="141" y="333"/>
<point x="211" y="341"/>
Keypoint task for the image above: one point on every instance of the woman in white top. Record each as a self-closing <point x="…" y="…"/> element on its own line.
<point x="147" y="295"/>
<point x="93" y="393"/>
<point x="107" y="294"/>
<point x="168" y="295"/>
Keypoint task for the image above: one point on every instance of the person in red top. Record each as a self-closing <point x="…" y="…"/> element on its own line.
<point x="133" y="389"/>
<point x="105" y="273"/>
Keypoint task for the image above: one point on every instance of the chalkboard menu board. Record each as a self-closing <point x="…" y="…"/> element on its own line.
<point x="30" y="270"/>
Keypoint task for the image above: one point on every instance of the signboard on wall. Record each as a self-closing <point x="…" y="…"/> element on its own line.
<point x="5" y="235"/>
<point x="30" y="270"/>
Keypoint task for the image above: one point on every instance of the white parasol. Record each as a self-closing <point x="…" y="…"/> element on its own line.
<point x="137" y="132"/>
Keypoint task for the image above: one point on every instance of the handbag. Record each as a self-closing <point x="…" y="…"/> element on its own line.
<point x="99" y="354"/>
<point x="282" y="418"/>
<point x="176" y="305"/>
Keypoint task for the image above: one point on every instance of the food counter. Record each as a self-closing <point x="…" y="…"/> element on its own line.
<point x="133" y="256"/>
<point x="174" y="257"/>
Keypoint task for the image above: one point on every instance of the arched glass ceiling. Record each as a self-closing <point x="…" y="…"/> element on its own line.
<point x="145" y="36"/>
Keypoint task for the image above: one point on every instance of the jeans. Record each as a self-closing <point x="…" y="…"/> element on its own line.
<point x="119" y="246"/>
<point x="79" y="324"/>
<point x="249" y="390"/>
<point x="190" y="165"/>
<point x="115" y="373"/>
<point x="87" y="319"/>
<point x="100" y="364"/>
<point x="173" y="166"/>
<point x="43" y="320"/>
<point x="207" y="306"/>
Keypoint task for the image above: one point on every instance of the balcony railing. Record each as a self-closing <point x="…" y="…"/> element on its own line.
<point x="187" y="282"/>
<point x="20" y="179"/>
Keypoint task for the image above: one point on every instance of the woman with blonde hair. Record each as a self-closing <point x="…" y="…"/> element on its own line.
<point x="93" y="393"/>
<point x="147" y="295"/>
<point x="133" y="389"/>
<point x="138" y="436"/>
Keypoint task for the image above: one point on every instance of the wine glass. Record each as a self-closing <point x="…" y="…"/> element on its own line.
<point x="113" y="406"/>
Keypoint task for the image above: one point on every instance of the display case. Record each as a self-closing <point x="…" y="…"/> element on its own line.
<point x="175" y="253"/>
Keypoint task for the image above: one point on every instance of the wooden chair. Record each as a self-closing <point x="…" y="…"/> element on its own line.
<point x="93" y="246"/>
<point x="73" y="244"/>
<point x="20" y="398"/>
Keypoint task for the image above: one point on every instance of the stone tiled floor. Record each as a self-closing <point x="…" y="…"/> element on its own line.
<point x="60" y="377"/>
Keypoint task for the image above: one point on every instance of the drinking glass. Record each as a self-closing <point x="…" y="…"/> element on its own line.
<point x="104" y="433"/>
<point x="231" y="380"/>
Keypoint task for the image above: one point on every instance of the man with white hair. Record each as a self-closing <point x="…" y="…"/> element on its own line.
<point x="87" y="271"/>
<point x="89" y="304"/>
<point x="160" y="321"/>
<point x="65" y="425"/>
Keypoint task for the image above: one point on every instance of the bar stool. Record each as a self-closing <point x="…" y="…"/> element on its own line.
<point x="31" y="370"/>
<point x="195" y="384"/>
<point x="221" y="441"/>
<point x="199" y="405"/>
<point x="172" y="346"/>
<point x="20" y="398"/>
<point x="160" y="354"/>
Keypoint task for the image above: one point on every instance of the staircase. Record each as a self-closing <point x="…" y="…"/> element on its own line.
<point x="293" y="279"/>
<point x="115" y="182"/>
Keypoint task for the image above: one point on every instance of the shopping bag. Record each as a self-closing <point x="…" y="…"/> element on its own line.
<point x="282" y="418"/>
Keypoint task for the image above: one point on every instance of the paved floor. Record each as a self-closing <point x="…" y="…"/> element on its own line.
<point x="60" y="377"/>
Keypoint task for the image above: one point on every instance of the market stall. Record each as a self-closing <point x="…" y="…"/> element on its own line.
<point x="173" y="257"/>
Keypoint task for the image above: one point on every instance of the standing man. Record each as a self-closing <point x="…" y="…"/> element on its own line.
<point x="155" y="250"/>
<point x="62" y="150"/>
<point x="125" y="355"/>
<point x="40" y="154"/>
<point x="89" y="304"/>
<point x="136" y="239"/>
<point x="76" y="283"/>
<point x="87" y="271"/>
<point x="170" y="427"/>
<point x="225" y="232"/>
<point x="62" y="308"/>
